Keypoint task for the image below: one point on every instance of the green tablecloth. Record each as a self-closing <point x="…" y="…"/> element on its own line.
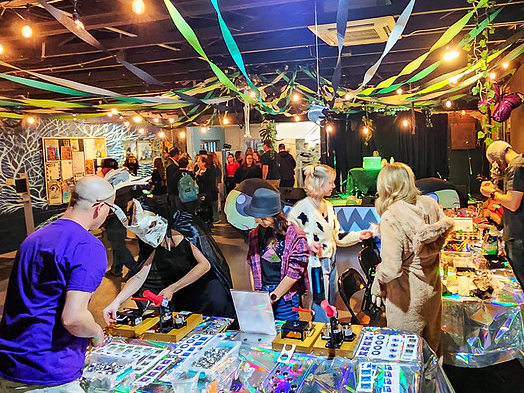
<point x="363" y="180"/>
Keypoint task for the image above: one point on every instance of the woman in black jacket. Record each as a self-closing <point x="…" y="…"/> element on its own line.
<point x="248" y="170"/>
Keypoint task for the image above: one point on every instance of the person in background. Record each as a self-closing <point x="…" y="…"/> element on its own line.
<point x="131" y="163"/>
<point x="231" y="168"/>
<point x="248" y="170"/>
<point x="277" y="255"/>
<point x="413" y="229"/>
<point x="508" y="165"/>
<point x="238" y="157"/>
<point x="269" y="164"/>
<point x="46" y="325"/>
<point x="158" y="178"/>
<point x="286" y="167"/>
<point x="256" y="158"/>
<point x="249" y="150"/>
<point x="171" y="171"/>
<point x="317" y="218"/>
<point x="190" y="162"/>
<point x="212" y="160"/>
<point x="116" y="233"/>
<point x="206" y="180"/>
<point x="189" y="207"/>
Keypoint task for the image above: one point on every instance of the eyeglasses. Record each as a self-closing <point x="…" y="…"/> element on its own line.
<point x="111" y="207"/>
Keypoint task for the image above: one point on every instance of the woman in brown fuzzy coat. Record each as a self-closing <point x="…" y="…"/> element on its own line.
<point x="412" y="230"/>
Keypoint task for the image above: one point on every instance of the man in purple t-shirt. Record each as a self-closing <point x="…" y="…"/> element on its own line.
<point x="46" y="325"/>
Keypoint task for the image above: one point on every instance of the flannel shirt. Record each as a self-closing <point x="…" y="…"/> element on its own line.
<point x="294" y="260"/>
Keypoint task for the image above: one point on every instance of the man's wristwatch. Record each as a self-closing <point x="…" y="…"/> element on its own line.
<point x="492" y="195"/>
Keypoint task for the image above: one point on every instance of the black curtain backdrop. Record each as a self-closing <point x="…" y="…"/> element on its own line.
<point x="425" y="151"/>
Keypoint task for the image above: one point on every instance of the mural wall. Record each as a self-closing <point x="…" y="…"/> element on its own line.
<point x="21" y="151"/>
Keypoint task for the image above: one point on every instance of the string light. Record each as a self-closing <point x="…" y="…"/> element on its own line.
<point x="399" y="91"/>
<point x="161" y="134"/>
<point x="114" y="111"/>
<point x="448" y="104"/>
<point x="1" y="49"/>
<point x="121" y="117"/>
<point x="171" y="120"/>
<point x="27" y="31"/>
<point x="76" y="17"/>
<point x="347" y="96"/>
<point x="141" y="130"/>
<point x="30" y="120"/>
<point x="156" y="119"/>
<point x="110" y="114"/>
<point x="225" y="120"/>
<point x="492" y="75"/>
<point x="296" y="97"/>
<point x="203" y="129"/>
<point x="253" y="94"/>
<point x="463" y="112"/>
<point x="329" y="128"/>
<point x="505" y="65"/>
<point x="138" y="7"/>
<point x="126" y="123"/>
<point x="297" y="118"/>
<point x="405" y="123"/>
<point x="137" y="119"/>
<point x="182" y="134"/>
<point x="450" y="54"/>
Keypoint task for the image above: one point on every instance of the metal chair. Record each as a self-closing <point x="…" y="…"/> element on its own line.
<point x="349" y="283"/>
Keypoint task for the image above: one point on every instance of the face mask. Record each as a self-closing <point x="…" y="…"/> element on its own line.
<point x="151" y="229"/>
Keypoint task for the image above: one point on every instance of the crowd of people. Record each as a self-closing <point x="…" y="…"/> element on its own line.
<point x="46" y="325"/>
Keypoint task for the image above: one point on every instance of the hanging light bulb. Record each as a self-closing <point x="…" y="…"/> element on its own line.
<point x="30" y="120"/>
<point x="226" y="120"/>
<point x="161" y="134"/>
<point x="114" y="111"/>
<point x="137" y="119"/>
<point x="297" y="118"/>
<point x="347" y="96"/>
<point x="448" y="104"/>
<point x="110" y="114"/>
<point x="252" y="94"/>
<point x="138" y="7"/>
<point x="405" y="123"/>
<point x="450" y="54"/>
<point x="182" y="135"/>
<point x="141" y="131"/>
<point x="1" y="49"/>
<point x="296" y="97"/>
<point x="399" y="91"/>
<point x="329" y="128"/>
<point x="365" y="130"/>
<point x="171" y="120"/>
<point x="156" y="119"/>
<point x="492" y="75"/>
<point x="505" y="65"/>
<point x="203" y="129"/>
<point x="126" y="123"/>
<point x="76" y="17"/>
<point x="463" y="112"/>
<point x="27" y="31"/>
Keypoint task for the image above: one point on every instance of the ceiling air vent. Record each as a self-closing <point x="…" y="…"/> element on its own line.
<point x="358" y="32"/>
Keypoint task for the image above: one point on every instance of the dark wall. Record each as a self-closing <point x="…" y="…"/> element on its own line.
<point x="425" y="150"/>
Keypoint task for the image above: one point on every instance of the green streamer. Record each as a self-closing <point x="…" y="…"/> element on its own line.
<point x="44" y="86"/>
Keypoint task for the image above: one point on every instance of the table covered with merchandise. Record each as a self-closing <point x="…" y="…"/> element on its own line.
<point x="205" y="360"/>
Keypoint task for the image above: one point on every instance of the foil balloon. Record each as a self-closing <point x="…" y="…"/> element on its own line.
<point x="239" y="198"/>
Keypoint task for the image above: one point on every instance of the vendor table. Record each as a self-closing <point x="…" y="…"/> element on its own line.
<point x="363" y="180"/>
<point x="251" y="366"/>
<point x="479" y="333"/>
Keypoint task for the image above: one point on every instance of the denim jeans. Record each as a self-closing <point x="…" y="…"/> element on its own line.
<point x="282" y="309"/>
<point x="329" y="269"/>
<point x="9" y="386"/>
<point x="515" y="252"/>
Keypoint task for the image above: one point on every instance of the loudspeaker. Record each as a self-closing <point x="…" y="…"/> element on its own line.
<point x="463" y="131"/>
<point x="290" y="195"/>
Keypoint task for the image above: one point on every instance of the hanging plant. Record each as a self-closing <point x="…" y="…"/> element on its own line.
<point x="269" y="131"/>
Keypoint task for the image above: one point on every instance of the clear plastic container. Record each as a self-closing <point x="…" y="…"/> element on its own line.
<point x="212" y="358"/>
<point x="105" y="372"/>
<point x="184" y="381"/>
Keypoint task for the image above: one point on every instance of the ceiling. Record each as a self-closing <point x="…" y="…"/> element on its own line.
<point x="271" y="35"/>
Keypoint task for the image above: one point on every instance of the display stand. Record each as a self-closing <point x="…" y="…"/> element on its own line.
<point x="346" y="350"/>
<point x="174" y="335"/>
<point x="132" y="331"/>
<point x="305" y="346"/>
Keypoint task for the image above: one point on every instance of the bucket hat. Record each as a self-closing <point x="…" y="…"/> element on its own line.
<point x="265" y="203"/>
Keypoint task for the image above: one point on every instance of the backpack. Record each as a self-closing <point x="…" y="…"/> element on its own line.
<point x="187" y="189"/>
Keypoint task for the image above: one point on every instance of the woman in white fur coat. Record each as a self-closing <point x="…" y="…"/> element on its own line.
<point x="413" y="229"/>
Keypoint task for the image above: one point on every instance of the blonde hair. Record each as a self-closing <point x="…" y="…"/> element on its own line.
<point x="316" y="177"/>
<point x="395" y="182"/>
